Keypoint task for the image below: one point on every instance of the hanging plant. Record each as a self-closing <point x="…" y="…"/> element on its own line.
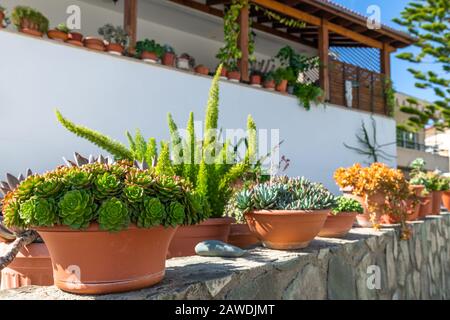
<point x="288" y="22"/>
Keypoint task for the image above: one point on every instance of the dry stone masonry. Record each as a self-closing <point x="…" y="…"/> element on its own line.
<point x="367" y="264"/>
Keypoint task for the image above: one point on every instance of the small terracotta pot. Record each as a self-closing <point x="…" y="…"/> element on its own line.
<point x="234" y="76"/>
<point x="426" y="206"/>
<point x="2" y="17"/>
<point x="168" y="59"/>
<point x="201" y="69"/>
<point x="94" y="44"/>
<point x="270" y="85"/>
<point x="286" y="229"/>
<point x="187" y="237"/>
<point x="255" y="80"/>
<point x="377" y="200"/>
<point x="282" y="86"/>
<point x="417" y="188"/>
<point x="76" y="36"/>
<point x="94" y="261"/>
<point x="57" y="35"/>
<point x="337" y="226"/>
<point x="32" y="32"/>
<point x="149" y="56"/>
<point x="223" y="73"/>
<point x="446" y="199"/>
<point x="32" y="266"/>
<point x="75" y="43"/>
<point x="411" y="212"/>
<point x="436" y="202"/>
<point x="30" y="28"/>
<point x="241" y="236"/>
<point x="115" y="48"/>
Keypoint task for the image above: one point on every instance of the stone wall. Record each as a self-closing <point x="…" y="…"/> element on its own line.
<point x="329" y="269"/>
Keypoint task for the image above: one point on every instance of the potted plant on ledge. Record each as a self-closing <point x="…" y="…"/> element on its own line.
<point x="168" y="58"/>
<point x="3" y="17"/>
<point x="60" y="33"/>
<point x="107" y="226"/>
<point x="116" y="38"/>
<point x="286" y="213"/>
<point x="340" y="220"/>
<point x="29" y="21"/>
<point x="149" y="50"/>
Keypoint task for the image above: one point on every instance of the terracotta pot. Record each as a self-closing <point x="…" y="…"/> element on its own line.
<point x="241" y="236"/>
<point x="32" y="266"/>
<point x="337" y="226"/>
<point x="168" y="59"/>
<point x="75" y="43"/>
<point x="57" y="35"/>
<point x="270" y="85"/>
<point x="446" y="199"/>
<point x="94" y="44"/>
<point x="115" y="48"/>
<point x="436" y="202"/>
<point x="149" y="56"/>
<point x="201" y="69"/>
<point x="234" y="76"/>
<point x="411" y="211"/>
<point x="93" y="261"/>
<point x="426" y="206"/>
<point x="282" y="86"/>
<point x="76" y="36"/>
<point x="223" y="73"/>
<point x="32" y="32"/>
<point x="2" y="16"/>
<point x="286" y="229"/>
<point x="187" y="237"/>
<point x="255" y="80"/>
<point x="376" y="200"/>
<point x="417" y="189"/>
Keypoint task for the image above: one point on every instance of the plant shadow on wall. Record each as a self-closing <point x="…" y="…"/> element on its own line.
<point x="368" y="143"/>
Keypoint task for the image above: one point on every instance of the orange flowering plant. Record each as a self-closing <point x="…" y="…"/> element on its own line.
<point x="378" y="180"/>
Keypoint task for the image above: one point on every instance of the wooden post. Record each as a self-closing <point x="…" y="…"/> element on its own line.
<point x="324" y="59"/>
<point x="130" y="20"/>
<point x="386" y="60"/>
<point x="243" y="43"/>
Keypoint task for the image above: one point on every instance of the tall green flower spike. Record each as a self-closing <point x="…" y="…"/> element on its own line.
<point x="164" y="166"/>
<point x="113" y="215"/>
<point x="212" y="111"/>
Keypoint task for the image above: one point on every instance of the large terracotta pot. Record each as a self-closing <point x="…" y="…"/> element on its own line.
<point x="57" y="35"/>
<point x="337" y="226"/>
<point x="241" y="236"/>
<point x="286" y="229"/>
<point x="436" y="202"/>
<point x="426" y="206"/>
<point x="446" y="199"/>
<point x="93" y="261"/>
<point x="377" y="201"/>
<point x="187" y="237"/>
<point x="115" y="48"/>
<point x="32" y="266"/>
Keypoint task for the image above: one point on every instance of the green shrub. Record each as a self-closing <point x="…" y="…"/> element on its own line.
<point x="347" y="205"/>
<point x="112" y="195"/>
<point x="34" y="18"/>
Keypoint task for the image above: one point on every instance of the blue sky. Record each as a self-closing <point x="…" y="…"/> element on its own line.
<point x="402" y="79"/>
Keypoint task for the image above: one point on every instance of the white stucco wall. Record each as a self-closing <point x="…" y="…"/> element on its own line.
<point x="113" y="94"/>
<point x="187" y="30"/>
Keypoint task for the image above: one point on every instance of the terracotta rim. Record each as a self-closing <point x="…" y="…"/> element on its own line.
<point x="337" y="226"/>
<point x="57" y="35"/>
<point x="32" y="32"/>
<point x="115" y="48"/>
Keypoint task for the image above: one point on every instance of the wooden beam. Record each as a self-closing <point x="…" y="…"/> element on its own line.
<point x="243" y="43"/>
<point x="130" y="20"/>
<point x="324" y="59"/>
<point x="386" y="60"/>
<point x="311" y="19"/>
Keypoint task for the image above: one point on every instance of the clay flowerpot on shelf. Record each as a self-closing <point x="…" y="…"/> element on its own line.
<point x="282" y="86"/>
<point x="286" y="229"/>
<point x="32" y="32"/>
<point x="187" y="237"/>
<point x="75" y="36"/>
<point x="115" y="48"/>
<point x="410" y="210"/>
<point x="338" y="225"/>
<point x="426" y="206"/>
<point x="223" y="73"/>
<point x="269" y="85"/>
<point x="241" y="236"/>
<point x="376" y="202"/>
<point x="94" y="43"/>
<point x="436" y="202"/>
<point x="201" y="69"/>
<point x="57" y="35"/>
<point x="2" y="17"/>
<point x="148" y="56"/>
<point x="418" y="189"/>
<point x="94" y="261"/>
<point x="446" y="199"/>
<point x="29" y="21"/>
<point x="31" y="266"/>
<point x="168" y="59"/>
<point x="255" y="80"/>
<point x="234" y="76"/>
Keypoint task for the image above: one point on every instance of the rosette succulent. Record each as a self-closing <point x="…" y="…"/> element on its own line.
<point x="78" y="179"/>
<point x="107" y="185"/>
<point x="77" y="208"/>
<point x="113" y="215"/>
<point x="48" y="187"/>
<point x="134" y="193"/>
<point x="39" y="212"/>
<point x="153" y="213"/>
<point x="175" y="214"/>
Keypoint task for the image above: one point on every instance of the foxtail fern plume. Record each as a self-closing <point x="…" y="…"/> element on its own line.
<point x="164" y="166"/>
<point x="190" y="151"/>
<point x="118" y="150"/>
<point x="212" y="111"/>
<point x="152" y="151"/>
<point x="252" y="148"/>
<point x="177" y="145"/>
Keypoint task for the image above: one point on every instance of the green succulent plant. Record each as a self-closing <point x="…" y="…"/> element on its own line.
<point x="344" y="204"/>
<point x="113" y="215"/>
<point x="174" y="214"/>
<point x="153" y="213"/>
<point x="78" y="178"/>
<point x="134" y="193"/>
<point x="77" y="209"/>
<point x="48" y="187"/>
<point x="107" y="185"/>
<point x="11" y="215"/>
<point x="38" y="211"/>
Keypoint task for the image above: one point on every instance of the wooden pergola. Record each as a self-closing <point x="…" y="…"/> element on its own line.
<point x="326" y="24"/>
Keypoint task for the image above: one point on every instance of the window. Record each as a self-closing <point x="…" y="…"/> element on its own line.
<point x="408" y="140"/>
